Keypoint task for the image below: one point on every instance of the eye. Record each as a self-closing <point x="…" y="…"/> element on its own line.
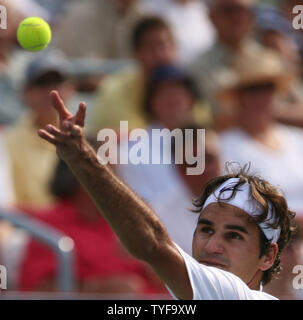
<point x="234" y="236"/>
<point x="207" y="230"/>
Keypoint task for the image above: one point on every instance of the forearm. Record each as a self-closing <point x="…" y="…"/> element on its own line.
<point x="134" y="222"/>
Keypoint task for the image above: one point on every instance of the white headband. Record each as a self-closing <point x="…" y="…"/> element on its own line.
<point x="244" y="200"/>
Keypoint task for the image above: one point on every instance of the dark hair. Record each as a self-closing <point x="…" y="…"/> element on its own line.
<point x="145" y="25"/>
<point x="47" y="78"/>
<point x="263" y="192"/>
<point x="164" y="74"/>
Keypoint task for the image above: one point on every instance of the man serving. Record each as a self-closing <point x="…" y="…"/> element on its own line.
<point x="244" y="222"/>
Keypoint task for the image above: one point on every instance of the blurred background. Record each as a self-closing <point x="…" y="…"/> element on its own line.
<point x="233" y="67"/>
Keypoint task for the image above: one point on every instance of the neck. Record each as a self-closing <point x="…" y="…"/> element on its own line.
<point x="255" y="282"/>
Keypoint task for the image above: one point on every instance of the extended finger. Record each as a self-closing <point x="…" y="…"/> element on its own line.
<point x="80" y="115"/>
<point x="56" y="132"/>
<point x="76" y="130"/>
<point x="47" y="136"/>
<point x="59" y="106"/>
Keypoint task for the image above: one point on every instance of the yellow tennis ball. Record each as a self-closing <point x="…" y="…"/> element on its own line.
<point x="34" y="34"/>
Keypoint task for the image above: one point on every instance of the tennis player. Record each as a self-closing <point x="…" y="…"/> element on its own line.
<point x="243" y="222"/>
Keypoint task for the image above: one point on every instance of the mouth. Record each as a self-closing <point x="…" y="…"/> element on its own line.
<point x="211" y="263"/>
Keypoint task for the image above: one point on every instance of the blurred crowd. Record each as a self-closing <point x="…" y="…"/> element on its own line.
<point x="232" y="67"/>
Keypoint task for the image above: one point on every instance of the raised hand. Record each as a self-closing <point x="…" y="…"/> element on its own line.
<point x="69" y="137"/>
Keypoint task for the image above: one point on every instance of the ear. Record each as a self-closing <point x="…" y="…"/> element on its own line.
<point x="268" y="259"/>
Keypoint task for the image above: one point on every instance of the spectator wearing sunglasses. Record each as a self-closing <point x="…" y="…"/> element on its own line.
<point x="33" y="161"/>
<point x="251" y="90"/>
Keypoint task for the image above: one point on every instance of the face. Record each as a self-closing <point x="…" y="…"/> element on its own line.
<point x="157" y="48"/>
<point x="233" y="20"/>
<point x="256" y="102"/>
<point x="37" y="97"/>
<point x="227" y="238"/>
<point x="172" y="104"/>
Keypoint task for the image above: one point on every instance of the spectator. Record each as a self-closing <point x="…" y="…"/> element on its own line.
<point x="169" y="102"/>
<point x="234" y="22"/>
<point x="273" y="149"/>
<point x="33" y="161"/>
<point x="121" y="95"/>
<point x="103" y="28"/>
<point x="276" y="32"/>
<point x="102" y="268"/>
<point x="190" y="24"/>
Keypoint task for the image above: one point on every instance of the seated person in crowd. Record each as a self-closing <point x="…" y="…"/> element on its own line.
<point x="191" y="42"/>
<point x="276" y="32"/>
<point x="234" y="23"/>
<point x="105" y="28"/>
<point x="102" y="265"/>
<point x="274" y="150"/>
<point x="33" y="161"/>
<point x="121" y="95"/>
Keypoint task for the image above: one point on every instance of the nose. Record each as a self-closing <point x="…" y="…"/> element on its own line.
<point x="214" y="245"/>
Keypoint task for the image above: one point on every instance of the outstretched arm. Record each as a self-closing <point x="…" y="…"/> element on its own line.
<point x="137" y="226"/>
